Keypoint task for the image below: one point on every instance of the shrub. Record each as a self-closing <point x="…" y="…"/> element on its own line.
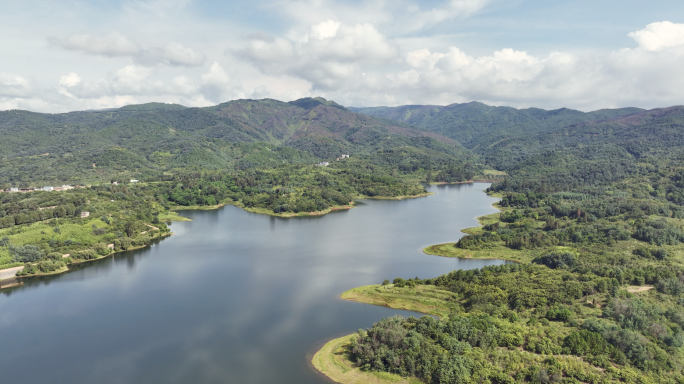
<point x="87" y="254"/>
<point x="556" y="313"/>
<point x="25" y="253"/>
<point x="557" y="260"/>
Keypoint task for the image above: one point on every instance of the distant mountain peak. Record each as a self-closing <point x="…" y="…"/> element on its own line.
<point x="312" y="102"/>
<point x="153" y="107"/>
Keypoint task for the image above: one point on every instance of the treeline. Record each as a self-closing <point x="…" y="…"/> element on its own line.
<point x="287" y="188"/>
<point x="500" y="311"/>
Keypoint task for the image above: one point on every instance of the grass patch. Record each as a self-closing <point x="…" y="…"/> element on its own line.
<point x="423" y="298"/>
<point x="172" y="216"/>
<point x="398" y="197"/>
<point x="333" y="361"/>
<point x="500" y="252"/>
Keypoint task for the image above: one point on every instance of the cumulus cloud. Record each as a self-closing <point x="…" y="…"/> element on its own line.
<point x="217" y="86"/>
<point x="112" y="44"/>
<point x="171" y="54"/>
<point x="70" y="80"/>
<point x="357" y="65"/>
<point x="361" y="64"/>
<point x="657" y="36"/>
<point x="12" y="85"/>
<point x="422" y="58"/>
<point x="115" y="44"/>
<point x="327" y="55"/>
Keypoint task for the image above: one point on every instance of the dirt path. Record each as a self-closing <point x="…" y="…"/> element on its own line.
<point x="635" y="289"/>
<point x="9" y="272"/>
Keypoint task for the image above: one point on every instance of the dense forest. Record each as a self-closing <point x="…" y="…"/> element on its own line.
<point x="308" y="156"/>
<point x="145" y="141"/>
<point x="593" y="214"/>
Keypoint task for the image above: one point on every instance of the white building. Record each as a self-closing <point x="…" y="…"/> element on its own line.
<point x="324" y="163"/>
<point x="48" y="189"/>
<point x="134" y="181"/>
<point x="84" y="214"/>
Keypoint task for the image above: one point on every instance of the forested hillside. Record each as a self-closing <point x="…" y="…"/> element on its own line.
<point x="594" y="215"/>
<point x="143" y="141"/>
<point x="261" y="155"/>
<point x="477" y="125"/>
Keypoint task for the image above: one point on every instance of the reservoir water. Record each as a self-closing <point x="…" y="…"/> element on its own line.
<point x="231" y="297"/>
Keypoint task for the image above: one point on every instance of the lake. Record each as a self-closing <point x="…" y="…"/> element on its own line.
<point x="231" y="297"/>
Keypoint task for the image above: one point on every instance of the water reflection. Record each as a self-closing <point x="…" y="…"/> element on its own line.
<point x="233" y="296"/>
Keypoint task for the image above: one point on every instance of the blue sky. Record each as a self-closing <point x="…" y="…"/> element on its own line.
<point x="70" y="55"/>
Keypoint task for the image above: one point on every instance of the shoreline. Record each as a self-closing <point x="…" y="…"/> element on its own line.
<point x="265" y="211"/>
<point x="429" y="250"/>
<point x="432" y="249"/>
<point x="404" y="197"/>
<point x="19" y="280"/>
<point x="178" y="218"/>
<point x="331" y="361"/>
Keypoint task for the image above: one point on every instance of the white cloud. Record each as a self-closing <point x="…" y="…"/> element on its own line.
<point x="260" y="92"/>
<point x="70" y="80"/>
<point x="334" y="41"/>
<point x="266" y="49"/>
<point x="422" y="58"/>
<point x="357" y="65"/>
<point x="657" y="36"/>
<point x="131" y="80"/>
<point x="329" y="54"/>
<point x="218" y="87"/>
<point x="12" y="85"/>
<point x="112" y="44"/>
<point x="171" y="54"/>
<point x="115" y="44"/>
<point x="356" y="53"/>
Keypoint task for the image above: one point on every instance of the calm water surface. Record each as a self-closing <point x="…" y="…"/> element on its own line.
<point x="232" y="297"/>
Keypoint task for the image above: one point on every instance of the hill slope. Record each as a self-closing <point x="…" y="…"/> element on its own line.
<point x="476" y="125"/>
<point x="152" y="138"/>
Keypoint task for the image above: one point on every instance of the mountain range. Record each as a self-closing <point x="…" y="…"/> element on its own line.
<point x="155" y="137"/>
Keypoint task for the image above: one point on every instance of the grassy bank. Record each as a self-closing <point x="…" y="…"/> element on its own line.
<point x="422" y="298"/>
<point x="74" y="261"/>
<point x="333" y="361"/>
<point x="398" y="197"/>
<point x="527" y="338"/>
<point x="267" y="211"/>
<point x="172" y="216"/>
<point x="498" y="251"/>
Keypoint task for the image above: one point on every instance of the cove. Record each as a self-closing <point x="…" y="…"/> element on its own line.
<point x="231" y="297"/>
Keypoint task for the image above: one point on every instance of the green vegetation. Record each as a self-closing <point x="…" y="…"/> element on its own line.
<point x="333" y="361"/>
<point x="144" y="142"/>
<point x="255" y="154"/>
<point x="40" y="225"/>
<point x="522" y="323"/>
<point x="592" y="213"/>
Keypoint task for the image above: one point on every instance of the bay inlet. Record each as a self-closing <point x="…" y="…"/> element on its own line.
<point x="232" y="297"/>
